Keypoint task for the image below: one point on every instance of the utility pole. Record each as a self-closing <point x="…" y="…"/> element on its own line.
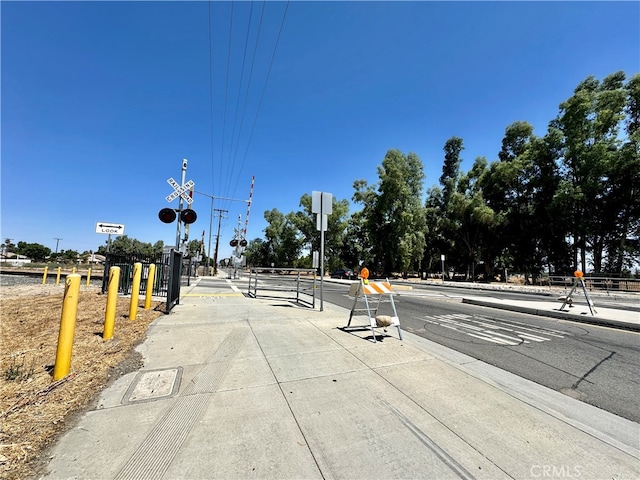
<point x="212" y="197"/>
<point x="215" y="255"/>
<point x="57" y="242"/>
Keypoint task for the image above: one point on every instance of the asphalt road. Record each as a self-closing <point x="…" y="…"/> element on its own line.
<point x="598" y="365"/>
<point x="602" y="299"/>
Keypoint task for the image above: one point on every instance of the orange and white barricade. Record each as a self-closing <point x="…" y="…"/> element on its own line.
<point x="369" y="297"/>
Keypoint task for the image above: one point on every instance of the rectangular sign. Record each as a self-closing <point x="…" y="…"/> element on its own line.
<point x="322" y="227"/>
<point x="321" y="202"/>
<point x="110" y="228"/>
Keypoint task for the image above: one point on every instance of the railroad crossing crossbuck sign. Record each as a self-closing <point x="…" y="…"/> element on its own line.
<point x="181" y="191"/>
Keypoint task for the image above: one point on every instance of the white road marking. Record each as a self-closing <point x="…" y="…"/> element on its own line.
<point x="513" y="333"/>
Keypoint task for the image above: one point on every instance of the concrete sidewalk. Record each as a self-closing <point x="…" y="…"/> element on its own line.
<point x="242" y="388"/>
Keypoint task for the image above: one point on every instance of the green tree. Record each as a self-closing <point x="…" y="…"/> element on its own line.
<point x="194" y="248"/>
<point x="393" y="213"/>
<point x="510" y="189"/>
<point x="34" y="251"/>
<point x="590" y="122"/>
<point x="157" y="249"/>
<point x="283" y="238"/>
<point x="357" y="248"/>
<point x="475" y="222"/>
<point x="441" y="216"/>
<point x="623" y="188"/>
<point x="257" y="253"/>
<point x="451" y="167"/>
<point x="124" y="245"/>
<point x="68" y="256"/>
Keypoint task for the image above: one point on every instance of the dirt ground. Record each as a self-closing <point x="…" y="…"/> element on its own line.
<point x="35" y="410"/>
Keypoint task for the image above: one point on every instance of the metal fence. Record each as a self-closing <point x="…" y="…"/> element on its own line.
<point x="287" y="281"/>
<point x="172" y="264"/>
<point x="168" y="279"/>
<point x="608" y="284"/>
<point x="126" y="262"/>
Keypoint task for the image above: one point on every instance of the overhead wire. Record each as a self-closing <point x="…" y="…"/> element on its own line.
<point x="246" y="95"/>
<point x="264" y="88"/>
<point x="226" y="93"/>
<point x="226" y="177"/>
<point x="235" y="117"/>
<point x="211" y="98"/>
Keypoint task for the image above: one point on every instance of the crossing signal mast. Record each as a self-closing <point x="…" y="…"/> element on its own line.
<point x="183" y="191"/>
<point x="239" y="241"/>
<point x="246" y="223"/>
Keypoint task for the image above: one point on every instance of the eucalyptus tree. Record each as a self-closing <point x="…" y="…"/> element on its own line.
<point x="590" y="122"/>
<point x="623" y="183"/>
<point x="476" y="223"/>
<point x="393" y="213"/>
<point x="257" y="253"/>
<point x="451" y="167"/>
<point x="511" y="188"/>
<point x="436" y="241"/>
<point x="357" y="245"/>
<point x="283" y="238"/>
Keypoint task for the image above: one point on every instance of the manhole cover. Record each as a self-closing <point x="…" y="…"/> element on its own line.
<point x="153" y="385"/>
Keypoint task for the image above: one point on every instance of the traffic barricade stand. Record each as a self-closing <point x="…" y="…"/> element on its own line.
<point x="578" y="281"/>
<point x="369" y="297"/>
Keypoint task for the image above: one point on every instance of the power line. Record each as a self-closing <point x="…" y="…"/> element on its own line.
<point x="226" y="91"/>
<point x="235" y="117"/>
<point x="273" y="56"/>
<point x="229" y="173"/>
<point x="211" y="97"/>
<point x="246" y="96"/>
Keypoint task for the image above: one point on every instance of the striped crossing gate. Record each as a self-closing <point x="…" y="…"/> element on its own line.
<point x="368" y="298"/>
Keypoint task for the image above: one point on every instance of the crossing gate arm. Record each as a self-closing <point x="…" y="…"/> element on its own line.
<point x="369" y="292"/>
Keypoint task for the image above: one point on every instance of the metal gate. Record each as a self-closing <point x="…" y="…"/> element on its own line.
<point x="167" y="280"/>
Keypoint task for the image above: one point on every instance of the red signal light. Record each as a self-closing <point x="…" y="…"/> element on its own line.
<point x="167" y="215"/>
<point x="188" y="216"/>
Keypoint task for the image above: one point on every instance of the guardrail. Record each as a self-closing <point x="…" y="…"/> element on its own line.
<point x="608" y="284"/>
<point x="285" y="283"/>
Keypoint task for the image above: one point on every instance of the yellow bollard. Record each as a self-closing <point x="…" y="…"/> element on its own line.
<point x="58" y="276"/>
<point x="135" y="290"/>
<point x="112" y="301"/>
<point x="44" y="277"/>
<point x="73" y="270"/>
<point x="67" y="327"/>
<point x="88" y="277"/>
<point x="149" y="292"/>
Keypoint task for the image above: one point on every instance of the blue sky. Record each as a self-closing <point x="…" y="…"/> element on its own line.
<point x="101" y="101"/>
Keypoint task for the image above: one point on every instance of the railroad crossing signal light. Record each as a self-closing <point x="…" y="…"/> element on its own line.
<point x="243" y="243"/>
<point x="167" y="215"/>
<point x="234" y="242"/>
<point x="188" y="216"/>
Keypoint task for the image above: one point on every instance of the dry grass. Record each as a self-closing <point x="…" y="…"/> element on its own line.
<point x="34" y="410"/>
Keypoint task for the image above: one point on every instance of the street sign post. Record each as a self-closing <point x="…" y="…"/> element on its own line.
<point x="110" y="228"/>
<point x="321" y="204"/>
